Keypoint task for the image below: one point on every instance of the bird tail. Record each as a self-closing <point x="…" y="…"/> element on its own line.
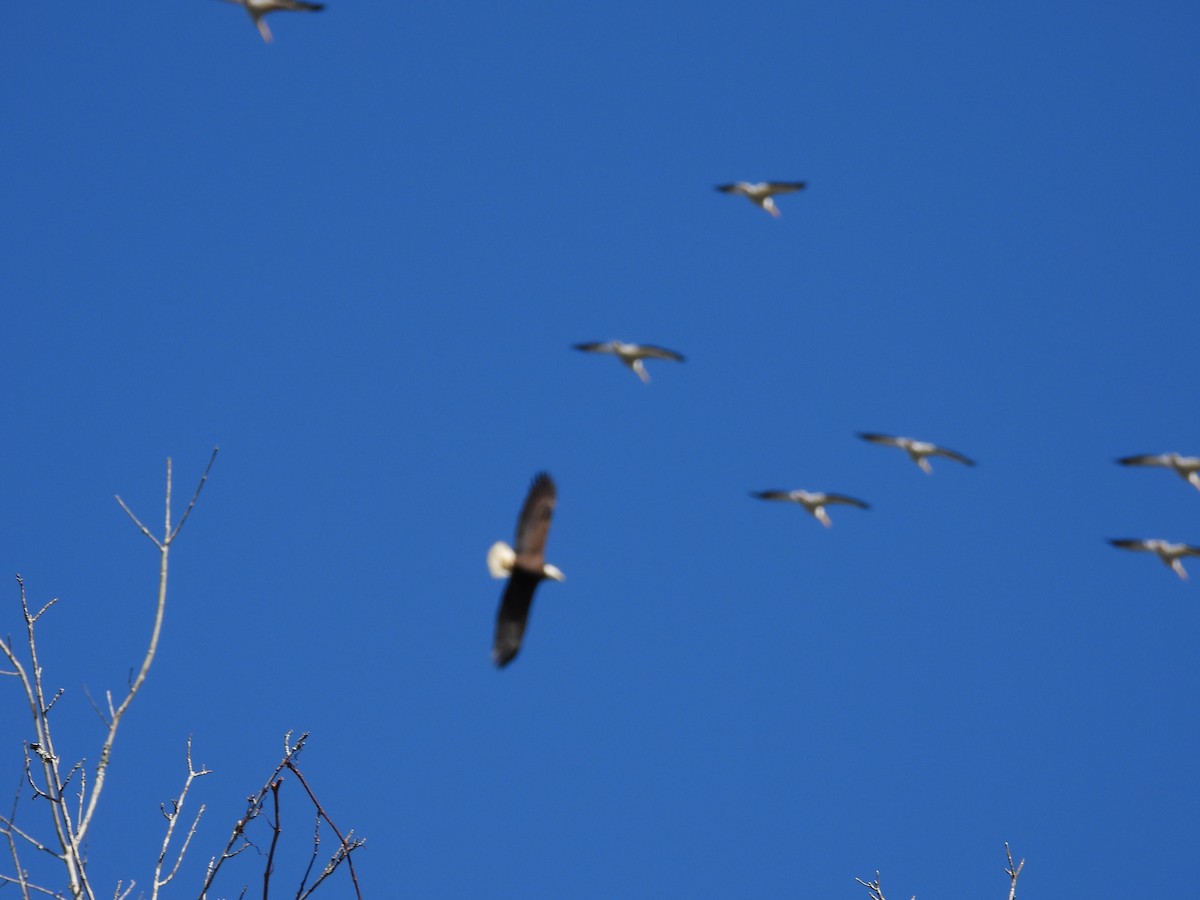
<point x="500" y="559"/>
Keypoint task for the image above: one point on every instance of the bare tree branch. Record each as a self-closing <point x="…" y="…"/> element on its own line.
<point x="276" y="830"/>
<point x="172" y="818"/>
<point x="43" y="747"/>
<point x="195" y="496"/>
<point x="348" y="843"/>
<point x="1012" y="871"/>
<point x="6" y="824"/>
<point x="164" y="548"/>
<point x="873" y="887"/>
<point x="238" y="841"/>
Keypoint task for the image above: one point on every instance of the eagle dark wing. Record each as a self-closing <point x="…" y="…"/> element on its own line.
<point x="512" y="616"/>
<point x="534" y="524"/>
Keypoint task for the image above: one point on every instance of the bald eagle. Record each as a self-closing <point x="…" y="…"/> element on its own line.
<point x="525" y="567"/>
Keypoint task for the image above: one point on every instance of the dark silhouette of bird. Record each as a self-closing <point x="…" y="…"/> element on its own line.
<point x="525" y="567"/>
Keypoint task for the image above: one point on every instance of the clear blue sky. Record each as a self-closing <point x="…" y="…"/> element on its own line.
<point x="356" y="259"/>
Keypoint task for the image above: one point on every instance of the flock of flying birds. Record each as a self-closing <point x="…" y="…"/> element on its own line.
<point x="525" y="566"/>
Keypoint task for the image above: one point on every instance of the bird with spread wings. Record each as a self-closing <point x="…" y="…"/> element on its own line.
<point x="918" y="451"/>
<point x="259" y="8"/>
<point x="631" y="354"/>
<point x="525" y="567"/>
<point x="762" y="193"/>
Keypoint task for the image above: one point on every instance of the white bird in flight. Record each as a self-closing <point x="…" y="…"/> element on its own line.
<point x="1170" y="554"/>
<point x="919" y="451"/>
<point x="762" y="192"/>
<point x="1186" y="467"/>
<point x="813" y="501"/>
<point x="631" y="354"/>
<point x="259" y="8"/>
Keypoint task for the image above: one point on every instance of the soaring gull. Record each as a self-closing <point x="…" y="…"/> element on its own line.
<point x="525" y="567"/>
<point x="814" y="502"/>
<point x="1186" y="467"/>
<point x="919" y="451"/>
<point x="259" y="8"/>
<point x="1170" y="554"/>
<point x="762" y="192"/>
<point x="631" y="354"/>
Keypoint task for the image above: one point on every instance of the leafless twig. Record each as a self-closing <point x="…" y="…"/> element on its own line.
<point x="238" y="841"/>
<point x="1012" y="871"/>
<point x="874" y="888"/>
<point x="172" y="817"/>
<point x="276" y="830"/>
<point x="348" y="843"/>
<point x="164" y="548"/>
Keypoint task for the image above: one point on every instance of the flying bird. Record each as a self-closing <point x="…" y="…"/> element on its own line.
<point x="1186" y="467"/>
<point x="919" y="451"/>
<point x="814" y="502"/>
<point x="525" y="567"/>
<point x="1170" y="554"/>
<point x="259" y="8"/>
<point x="762" y="193"/>
<point x="631" y="354"/>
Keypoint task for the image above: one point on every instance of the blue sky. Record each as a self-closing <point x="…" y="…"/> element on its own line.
<point x="356" y="260"/>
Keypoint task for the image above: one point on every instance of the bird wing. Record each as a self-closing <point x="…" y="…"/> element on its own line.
<point x="658" y="352"/>
<point x="512" y="616"/>
<point x="1190" y="550"/>
<point x="594" y="347"/>
<point x="885" y="439"/>
<point x="1143" y="459"/>
<point x="534" y="524"/>
<point x="737" y="188"/>
<point x="785" y="187"/>
<point x="772" y="495"/>
<point x="848" y="501"/>
<point x="954" y="455"/>
<point x="1129" y="543"/>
